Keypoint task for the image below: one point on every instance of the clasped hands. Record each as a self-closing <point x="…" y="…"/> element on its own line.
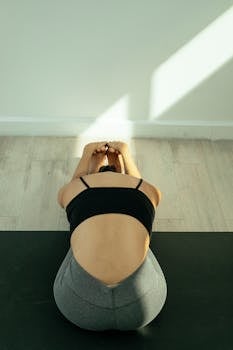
<point x="97" y="152"/>
<point x="117" y="147"/>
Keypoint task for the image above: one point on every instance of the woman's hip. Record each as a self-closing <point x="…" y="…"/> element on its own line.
<point x="131" y="304"/>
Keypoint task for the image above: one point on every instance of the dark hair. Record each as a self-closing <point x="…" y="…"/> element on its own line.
<point x="107" y="168"/>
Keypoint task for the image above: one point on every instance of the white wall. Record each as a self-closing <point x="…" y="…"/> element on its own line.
<point x="65" y="64"/>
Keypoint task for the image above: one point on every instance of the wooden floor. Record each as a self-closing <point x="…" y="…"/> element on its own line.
<point x="194" y="176"/>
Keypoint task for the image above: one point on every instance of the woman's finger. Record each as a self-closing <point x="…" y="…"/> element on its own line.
<point x="100" y="150"/>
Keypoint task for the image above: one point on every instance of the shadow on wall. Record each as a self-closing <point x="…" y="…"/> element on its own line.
<point x="163" y="91"/>
<point x="150" y="64"/>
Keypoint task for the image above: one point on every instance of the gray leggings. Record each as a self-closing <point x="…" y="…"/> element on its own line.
<point x="90" y="304"/>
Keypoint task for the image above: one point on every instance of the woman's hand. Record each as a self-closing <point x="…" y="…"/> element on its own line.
<point x="97" y="151"/>
<point x="115" y="155"/>
<point x="89" y="162"/>
<point x="118" y="147"/>
<point x="130" y="167"/>
<point x="106" y="146"/>
<point x="93" y="147"/>
<point x="115" y="158"/>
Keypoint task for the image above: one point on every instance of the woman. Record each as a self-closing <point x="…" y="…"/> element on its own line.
<point x="110" y="278"/>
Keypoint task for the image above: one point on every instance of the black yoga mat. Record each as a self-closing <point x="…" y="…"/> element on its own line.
<point x="198" y="313"/>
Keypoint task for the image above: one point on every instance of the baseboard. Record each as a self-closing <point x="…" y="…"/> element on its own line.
<point x="28" y="126"/>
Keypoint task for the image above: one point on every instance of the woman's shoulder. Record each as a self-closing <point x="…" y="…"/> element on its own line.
<point x="111" y="178"/>
<point x="154" y="191"/>
<point x="107" y="179"/>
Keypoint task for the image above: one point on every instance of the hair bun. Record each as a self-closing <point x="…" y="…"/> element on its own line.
<point x="107" y="168"/>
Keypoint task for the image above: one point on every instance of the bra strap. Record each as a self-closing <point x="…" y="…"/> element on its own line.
<point x="139" y="184"/>
<point x="84" y="182"/>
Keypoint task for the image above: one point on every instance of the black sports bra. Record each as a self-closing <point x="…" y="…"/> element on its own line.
<point x="102" y="200"/>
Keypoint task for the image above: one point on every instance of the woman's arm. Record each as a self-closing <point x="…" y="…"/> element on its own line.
<point x="129" y="164"/>
<point x="82" y="168"/>
<point x="131" y="168"/>
<point x="84" y="163"/>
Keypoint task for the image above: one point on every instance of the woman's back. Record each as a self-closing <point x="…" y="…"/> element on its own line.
<point x="109" y="246"/>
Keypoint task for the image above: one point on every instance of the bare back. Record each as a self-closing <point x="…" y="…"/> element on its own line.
<point x="109" y="247"/>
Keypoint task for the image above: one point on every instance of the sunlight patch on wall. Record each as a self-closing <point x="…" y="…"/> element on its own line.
<point x="112" y="125"/>
<point x="192" y="64"/>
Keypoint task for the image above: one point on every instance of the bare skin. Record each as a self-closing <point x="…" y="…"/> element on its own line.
<point x="109" y="246"/>
<point x="106" y="154"/>
<point x="86" y="165"/>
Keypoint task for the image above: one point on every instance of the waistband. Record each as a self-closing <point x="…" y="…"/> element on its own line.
<point x="127" y="291"/>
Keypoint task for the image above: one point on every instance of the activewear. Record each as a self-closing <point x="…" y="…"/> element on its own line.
<point x="91" y="304"/>
<point x="102" y="200"/>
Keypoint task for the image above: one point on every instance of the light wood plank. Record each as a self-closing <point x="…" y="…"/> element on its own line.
<point x="229" y="225"/>
<point x="219" y="164"/>
<point x="12" y="176"/>
<point x="157" y="167"/>
<point x="8" y="223"/>
<point x="13" y="147"/>
<point x="186" y="151"/>
<point x="53" y="148"/>
<point x="197" y="198"/>
<point x="39" y="209"/>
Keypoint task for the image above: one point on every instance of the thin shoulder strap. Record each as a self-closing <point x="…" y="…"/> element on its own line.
<point x="139" y="184"/>
<point x="84" y="182"/>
